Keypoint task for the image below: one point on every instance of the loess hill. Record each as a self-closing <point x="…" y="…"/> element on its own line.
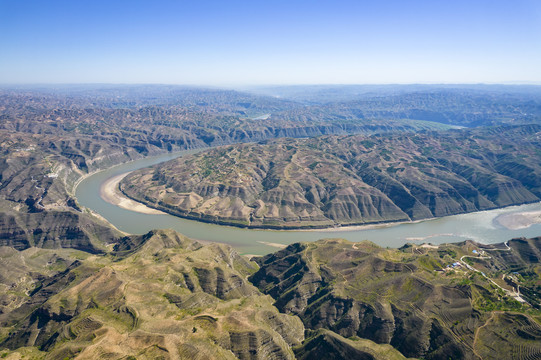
<point x="164" y="296"/>
<point x="71" y="286"/>
<point x="412" y="298"/>
<point x="348" y="180"/>
<point x="52" y="136"/>
<point x="155" y="296"/>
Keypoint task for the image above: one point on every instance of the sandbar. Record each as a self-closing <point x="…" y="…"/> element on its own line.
<point x="110" y="192"/>
<point x="517" y="221"/>
<point x="273" y="244"/>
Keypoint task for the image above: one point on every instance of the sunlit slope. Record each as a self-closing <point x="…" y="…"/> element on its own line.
<point x="160" y="295"/>
<point x="425" y="301"/>
<point x="348" y="180"/>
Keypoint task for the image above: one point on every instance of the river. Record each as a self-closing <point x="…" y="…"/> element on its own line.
<point x="479" y="226"/>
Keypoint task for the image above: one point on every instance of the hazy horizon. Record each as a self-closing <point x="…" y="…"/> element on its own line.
<point x="299" y="42"/>
<point x="237" y="86"/>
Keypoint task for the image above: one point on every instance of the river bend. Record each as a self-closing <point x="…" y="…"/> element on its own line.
<point x="479" y="226"/>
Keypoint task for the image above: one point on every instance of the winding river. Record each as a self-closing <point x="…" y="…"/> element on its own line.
<point x="479" y="226"/>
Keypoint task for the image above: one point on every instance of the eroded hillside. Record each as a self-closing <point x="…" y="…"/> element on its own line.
<point x="425" y="301"/>
<point x="37" y="176"/>
<point x="162" y="295"/>
<point x="50" y="137"/>
<point x="348" y="180"/>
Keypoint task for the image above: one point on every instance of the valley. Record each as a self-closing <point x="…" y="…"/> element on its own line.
<point x="270" y="180"/>
<point x="82" y="278"/>
<point x="483" y="227"/>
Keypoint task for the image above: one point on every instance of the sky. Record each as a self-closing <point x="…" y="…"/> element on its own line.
<point x="236" y="43"/>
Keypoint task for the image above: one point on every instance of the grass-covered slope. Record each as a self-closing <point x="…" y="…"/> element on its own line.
<point x="164" y="296"/>
<point x="160" y="295"/>
<point x="347" y="180"/>
<point x="413" y="298"/>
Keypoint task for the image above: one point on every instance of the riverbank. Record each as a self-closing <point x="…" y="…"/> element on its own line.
<point x="110" y="192"/>
<point x="477" y="226"/>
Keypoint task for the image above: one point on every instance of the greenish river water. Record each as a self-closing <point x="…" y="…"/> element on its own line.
<point x="478" y="226"/>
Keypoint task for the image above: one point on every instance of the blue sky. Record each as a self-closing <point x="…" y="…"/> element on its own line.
<point x="229" y="43"/>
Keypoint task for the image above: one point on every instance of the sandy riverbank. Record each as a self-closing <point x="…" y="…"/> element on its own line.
<point x="273" y="244"/>
<point x="346" y="228"/>
<point x="519" y="221"/>
<point x="109" y="192"/>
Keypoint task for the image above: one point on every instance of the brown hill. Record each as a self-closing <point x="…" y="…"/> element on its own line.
<point x="348" y="180"/>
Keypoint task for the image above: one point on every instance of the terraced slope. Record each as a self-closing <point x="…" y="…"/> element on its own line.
<point x="348" y="180"/>
<point x="412" y="298"/>
<point x="164" y="296"/>
<point x="160" y="295"/>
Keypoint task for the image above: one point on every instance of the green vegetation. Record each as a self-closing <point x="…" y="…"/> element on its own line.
<point x="136" y="307"/>
<point x="163" y="293"/>
<point x="368" y="144"/>
<point x="391" y="295"/>
<point x="446" y="251"/>
<point x="430" y="263"/>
